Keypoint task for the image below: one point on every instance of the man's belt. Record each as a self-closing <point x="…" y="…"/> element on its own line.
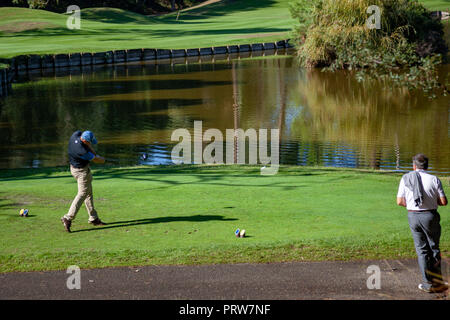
<point x="418" y="211"/>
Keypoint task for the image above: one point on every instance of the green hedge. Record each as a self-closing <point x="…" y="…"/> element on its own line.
<point x="405" y="50"/>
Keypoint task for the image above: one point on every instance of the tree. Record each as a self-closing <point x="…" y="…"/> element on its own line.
<point x="405" y="50"/>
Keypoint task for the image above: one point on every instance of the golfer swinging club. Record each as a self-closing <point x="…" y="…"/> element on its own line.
<point x="421" y="193"/>
<point x="81" y="153"/>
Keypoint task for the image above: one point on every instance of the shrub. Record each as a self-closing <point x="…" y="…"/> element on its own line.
<point x="406" y="50"/>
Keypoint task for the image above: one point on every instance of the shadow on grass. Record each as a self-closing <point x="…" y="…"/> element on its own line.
<point x="7" y="203"/>
<point x="116" y="16"/>
<point x="121" y="34"/>
<point x="129" y="223"/>
<point x="219" y="9"/>
<point x="222" y="8"/>
<point x="200" y="174"/>
<point x="203" y="175"/>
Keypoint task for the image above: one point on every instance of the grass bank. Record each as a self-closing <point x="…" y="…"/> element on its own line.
<point x="436" y="4"/>
<point x="188" y="215"/>
<point x="26" y="31"/>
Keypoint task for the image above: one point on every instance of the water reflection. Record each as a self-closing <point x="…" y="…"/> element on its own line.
<point x="324" y="119"/>
<point x="385" y="127"/>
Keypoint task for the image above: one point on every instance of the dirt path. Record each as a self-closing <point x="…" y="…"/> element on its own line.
<point x="272" y="281"/>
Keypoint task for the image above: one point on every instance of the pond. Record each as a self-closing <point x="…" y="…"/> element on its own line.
<point x="324" y="119"/>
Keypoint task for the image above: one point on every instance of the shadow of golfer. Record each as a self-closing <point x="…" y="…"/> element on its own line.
<point x="129" y="223"/>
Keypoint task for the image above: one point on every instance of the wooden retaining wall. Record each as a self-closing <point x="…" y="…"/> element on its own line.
<point x="25" y="63"/>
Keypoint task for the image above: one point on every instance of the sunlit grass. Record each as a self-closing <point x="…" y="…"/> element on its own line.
<point x="188" y="215"/>
<point x="25" y="31"/>
<point x="437" y="4"/>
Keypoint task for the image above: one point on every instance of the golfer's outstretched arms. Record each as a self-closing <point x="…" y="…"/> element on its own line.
<point x="98" y="159"/>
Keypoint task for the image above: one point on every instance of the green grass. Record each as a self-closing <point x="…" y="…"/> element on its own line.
<point x="25" y="31"/>
<point x="188" y="215"/>
<point x="443" y="5"/>
<point x="436" y="4"/>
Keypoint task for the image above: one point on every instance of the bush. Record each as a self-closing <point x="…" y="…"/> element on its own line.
<point x="406" y="50"/>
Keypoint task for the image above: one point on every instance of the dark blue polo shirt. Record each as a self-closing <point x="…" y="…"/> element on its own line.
<point x="79" y="153"/>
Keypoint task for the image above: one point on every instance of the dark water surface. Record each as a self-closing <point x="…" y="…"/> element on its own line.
<point x="325" y="119"/>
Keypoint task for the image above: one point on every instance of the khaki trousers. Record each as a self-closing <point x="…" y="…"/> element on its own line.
<point x="84" y="180"/>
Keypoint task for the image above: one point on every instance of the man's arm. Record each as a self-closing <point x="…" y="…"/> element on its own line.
<point x="88" y="144"/>
<point x="401" y="201"/>
<point x="442" y="201"/>
<point x="93" y="157"/>
<point x="98" y="159"/>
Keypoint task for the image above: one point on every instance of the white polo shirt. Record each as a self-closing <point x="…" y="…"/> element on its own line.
<point x="433" y="190"/>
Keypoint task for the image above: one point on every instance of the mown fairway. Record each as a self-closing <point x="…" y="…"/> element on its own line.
<point x="36" y="31"/>
<point x="436" y="4"/>
<point x="25" y="31"/>
<point x="188" y="215"/>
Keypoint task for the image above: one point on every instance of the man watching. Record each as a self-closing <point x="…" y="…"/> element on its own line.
<point x="81" y="153"/>
<point x="421" y="193"/>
